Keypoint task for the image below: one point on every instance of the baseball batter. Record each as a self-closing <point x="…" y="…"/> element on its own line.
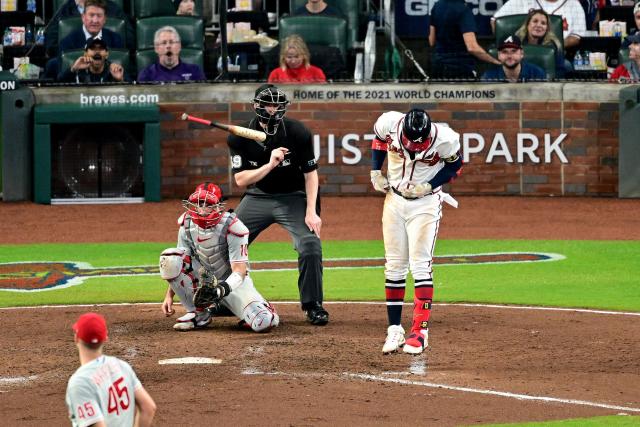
<point x="105" y="390"/>
<point x="208" y="270"/>
<point x="422" y="156"/>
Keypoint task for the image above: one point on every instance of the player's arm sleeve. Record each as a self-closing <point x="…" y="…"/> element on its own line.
<point x="450" y="154"/>
<point x="82" y="402"/>
<point x="238" y="242"/>
<point x="183" y="241"/>
<point x="379" y="146"/>
<point x="452" y="168"/>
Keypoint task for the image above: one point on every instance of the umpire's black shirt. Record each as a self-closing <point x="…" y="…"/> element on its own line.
<point x="288" y="176"/>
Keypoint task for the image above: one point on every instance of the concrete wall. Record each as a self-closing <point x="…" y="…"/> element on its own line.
<point x="518" y="139"/>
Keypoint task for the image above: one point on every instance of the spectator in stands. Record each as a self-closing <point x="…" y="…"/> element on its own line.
<point x="76" y="8"/>
<point x="573" y="15"/>
<point x="93" y="66"/>
<point x="318" y="7"/>
<point x="452" y="31"/>
<point x="169" y="67"/>
<point x="94" y="16"/>
<point x="636" y="17"/>
<point x="186" y="7"/>
<point x="536" y="30"/>
<point x="295" y="65"/>
<point x="513" y="69"/>
<point x="630" y="70"/>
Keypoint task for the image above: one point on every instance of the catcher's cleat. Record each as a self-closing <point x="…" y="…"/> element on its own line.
<point x="193" y="320"/>
<point x="316" y="314"/>
<point x="417" y="342"/>
<point x="395" y="339"/>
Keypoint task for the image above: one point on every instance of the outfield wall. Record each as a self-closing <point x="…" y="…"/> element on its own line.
<point x="518" y="139"/>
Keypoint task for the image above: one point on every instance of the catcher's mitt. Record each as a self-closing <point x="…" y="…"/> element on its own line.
<point x="210" y="290"/>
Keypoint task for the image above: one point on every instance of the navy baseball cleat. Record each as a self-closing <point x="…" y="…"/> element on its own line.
<point x="316" y="314"/>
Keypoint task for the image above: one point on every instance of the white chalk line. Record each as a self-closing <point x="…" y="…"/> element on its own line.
<point x="442" y="304"/>
<point x="492" y="392"/>
<point x="545" y="399"/>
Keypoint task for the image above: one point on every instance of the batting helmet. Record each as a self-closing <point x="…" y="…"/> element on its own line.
<point x="416" y="131"/>
<point x="266" y="96"/>
<point x="204" y="205"/>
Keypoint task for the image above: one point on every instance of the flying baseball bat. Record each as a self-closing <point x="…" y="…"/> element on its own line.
<point x="256" y="135"/>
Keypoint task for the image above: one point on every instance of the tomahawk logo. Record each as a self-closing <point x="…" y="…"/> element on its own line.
<point x="44" y="276"/>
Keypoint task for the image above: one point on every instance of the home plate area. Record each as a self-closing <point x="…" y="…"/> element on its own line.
<point x="484" y="364"/>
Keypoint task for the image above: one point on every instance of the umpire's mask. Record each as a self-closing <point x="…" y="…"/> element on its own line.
<point x="270" y="105"/>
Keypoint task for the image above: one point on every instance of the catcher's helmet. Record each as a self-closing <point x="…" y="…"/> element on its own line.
<point x="416" y="131"/>
<point x="204" y="205"/>
<point x="268" y="95"/>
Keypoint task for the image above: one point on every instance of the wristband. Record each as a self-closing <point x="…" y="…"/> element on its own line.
<point x="234" y="280"/>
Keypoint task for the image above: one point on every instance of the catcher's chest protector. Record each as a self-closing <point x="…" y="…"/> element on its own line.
<point x="210" y="245"/>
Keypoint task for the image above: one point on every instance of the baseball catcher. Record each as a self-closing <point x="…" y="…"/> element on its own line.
<point x="209" y="268"/>
<point x="422" y="156"/>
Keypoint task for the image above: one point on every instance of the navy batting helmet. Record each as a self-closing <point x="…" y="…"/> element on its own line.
<point x="416" y="131"/>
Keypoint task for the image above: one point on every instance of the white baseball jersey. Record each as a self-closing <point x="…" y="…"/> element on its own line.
<point x="401" y="168"/>
<point x="216" y="247"/>
<point x="102" y="390"/>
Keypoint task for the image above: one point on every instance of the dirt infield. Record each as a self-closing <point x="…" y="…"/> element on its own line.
<point x="485" y="364"/>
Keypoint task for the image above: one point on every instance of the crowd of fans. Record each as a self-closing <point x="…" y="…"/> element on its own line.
<point x="455" y="50"/>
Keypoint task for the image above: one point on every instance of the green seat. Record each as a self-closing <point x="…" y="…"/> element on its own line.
<point x="190" y="28"/>
<point x="148" y="8"/>
<point x="58" y="3"/>
<point x="542" y="56"/>
<point x="120" y="56"/>
<point x="191" y="56"/>
<point x="68" y="25"/>
<point x="351" y="9"/>
<point x="327" y="31"/>
<point x="508" y="25"/>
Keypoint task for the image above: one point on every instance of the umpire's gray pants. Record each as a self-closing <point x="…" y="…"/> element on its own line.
<point x="258" y="210"/>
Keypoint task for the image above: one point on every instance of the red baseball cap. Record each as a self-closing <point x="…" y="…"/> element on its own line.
<point x="91" y="328"/>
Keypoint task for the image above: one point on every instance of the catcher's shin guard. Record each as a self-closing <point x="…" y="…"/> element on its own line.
<point x="261" y="316"/>
<point x="175" y="268"/>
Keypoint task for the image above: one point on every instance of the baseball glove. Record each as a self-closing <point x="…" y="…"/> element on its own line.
<point x="210" y="290"/>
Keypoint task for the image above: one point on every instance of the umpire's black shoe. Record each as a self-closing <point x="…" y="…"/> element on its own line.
<point x="316" y="315"/>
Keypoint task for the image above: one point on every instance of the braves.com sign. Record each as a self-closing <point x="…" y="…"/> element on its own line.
<point x="529" y="148"/>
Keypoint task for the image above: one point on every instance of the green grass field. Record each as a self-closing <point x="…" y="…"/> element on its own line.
<point x="594" y="274"/>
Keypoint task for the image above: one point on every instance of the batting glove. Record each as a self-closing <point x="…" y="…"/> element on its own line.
<point x="414" y="191"/>
<point x="379" y="181"/>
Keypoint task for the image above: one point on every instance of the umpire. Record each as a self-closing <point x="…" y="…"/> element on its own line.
<point x="281" y="177"/>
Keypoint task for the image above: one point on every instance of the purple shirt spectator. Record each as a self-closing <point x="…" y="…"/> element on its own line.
<point x="182" y="72"/>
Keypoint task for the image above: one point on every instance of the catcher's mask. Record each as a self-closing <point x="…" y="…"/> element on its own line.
<point x="416" y="131"/>
<point x="270" y="105"/>
<point x="205" y="206"/>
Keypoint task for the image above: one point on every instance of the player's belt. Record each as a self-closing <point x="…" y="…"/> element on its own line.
<point x="395" y="190"/>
